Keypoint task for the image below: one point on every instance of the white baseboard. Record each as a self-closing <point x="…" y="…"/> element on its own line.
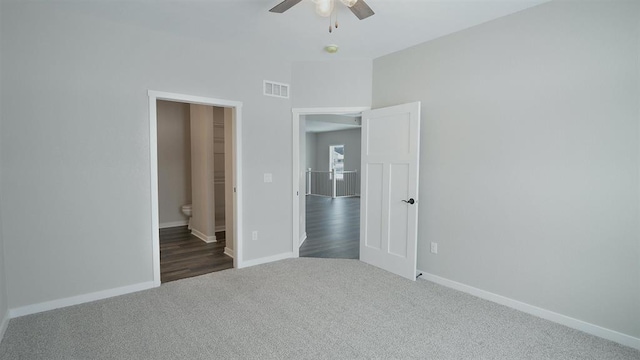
<point x="228" y="252"/>
<point x="203" y="237"/>
<point x="174" y="224"/>
<point x="4" y="323"/>
<point x="303" y="238"/>
<point x="221" y="228"/>
<point x="265" y="260"/>
<point x="80" y="299"/>
<point x="573" y="323"/>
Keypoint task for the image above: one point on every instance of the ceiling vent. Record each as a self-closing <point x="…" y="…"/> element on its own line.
<point x="272" y="88"/>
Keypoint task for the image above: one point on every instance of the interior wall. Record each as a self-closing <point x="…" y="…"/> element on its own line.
<point x="88" y="132"/>
<point x="331" y="83"/>
<point x="174" y="162"/>
<point x="219" y="167"/>
<point x="351" y="141"/>
<point x="4" y="309"/>
<point x="529" y="161"/>
<point x="311" y="144"/>
<point x="203" y="217"/>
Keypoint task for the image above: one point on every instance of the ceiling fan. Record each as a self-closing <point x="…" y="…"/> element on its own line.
<point x="325" y="7"/>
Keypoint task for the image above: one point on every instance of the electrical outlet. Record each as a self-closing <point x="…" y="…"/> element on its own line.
<point x="434" y="248"/>
<point x="268" y="177"/>
<point x="254" y="235"/>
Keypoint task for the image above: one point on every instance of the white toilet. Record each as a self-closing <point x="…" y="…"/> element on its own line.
<point x="186" y="209"/>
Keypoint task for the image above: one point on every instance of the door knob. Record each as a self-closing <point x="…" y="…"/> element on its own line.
<point x="410" y="201"/>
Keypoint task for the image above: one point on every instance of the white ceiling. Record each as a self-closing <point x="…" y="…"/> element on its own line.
<point x="331" y="122"/>
<point x="300" y="34"/>
<point x="313" y="126"/>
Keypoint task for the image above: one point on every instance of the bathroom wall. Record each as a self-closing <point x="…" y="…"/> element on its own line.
<point x="174" y="162"/>
<point x="202" y="172"/>
<point x="219" y="167"/>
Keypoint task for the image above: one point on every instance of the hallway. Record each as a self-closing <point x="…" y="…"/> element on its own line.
<point x="333" y="228"/>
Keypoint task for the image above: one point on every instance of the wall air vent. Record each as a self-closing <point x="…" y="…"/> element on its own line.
<point x="272" y="88"/>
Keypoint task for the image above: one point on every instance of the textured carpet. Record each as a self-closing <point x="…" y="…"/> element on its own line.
<point x="298" y="308"/>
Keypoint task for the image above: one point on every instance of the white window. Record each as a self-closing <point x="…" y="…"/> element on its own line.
<point x="336" y="160"/>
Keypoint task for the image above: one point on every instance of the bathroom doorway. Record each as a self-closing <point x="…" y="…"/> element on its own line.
<point x="194" y="193"/>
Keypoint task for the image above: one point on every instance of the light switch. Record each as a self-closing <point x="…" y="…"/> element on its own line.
<point x="268" y="177"/>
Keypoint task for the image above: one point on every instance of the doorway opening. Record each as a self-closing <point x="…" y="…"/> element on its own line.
<point x="327" y="173"/>
<point x="390" y="154"/>
<point x="195" y="200"/>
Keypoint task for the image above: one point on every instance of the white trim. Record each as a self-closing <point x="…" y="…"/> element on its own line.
<point x="173" y="224"/>
<point x="154" y="96"/>
<point x="153" y="174"/>
<point x="191" y="99"/>
<point x="539" y="312"/>
<point x="238" y="239"/>
<point x="80" y="299"/>
<point x="228" y="252"/>
<point x="267" y="259"/>
<point x="220" y="228"/>
<point x="295" y="120"/>
<point x="4" y="324"/>
<point x="203" y="237"/>
<point x="303" y="238"/>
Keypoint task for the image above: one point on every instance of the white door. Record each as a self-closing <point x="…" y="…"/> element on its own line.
<point x="389" y="206"/>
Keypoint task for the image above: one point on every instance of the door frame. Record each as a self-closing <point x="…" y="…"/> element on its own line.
<point x="236" y="106"/>
<point x="295" y="174"/>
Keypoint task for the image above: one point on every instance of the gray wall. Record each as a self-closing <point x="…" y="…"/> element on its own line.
<point x="219" y="167"/>
<point x="174" y="160"/>
<point x="351" y="140"/>
<point x="75" y="145"/>
<point x="203" y="215"/>
<point x="529" y="160"/>
<point x="3" y="281"/>
<point x="310" y="154"/>
<point x="88" y="132"/>
<point x="331" y="83"/>
<point x="4" y="313"/>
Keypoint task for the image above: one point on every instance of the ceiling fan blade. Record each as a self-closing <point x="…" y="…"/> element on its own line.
<point x="284" y="6"/>
<point x="361" y="10"/>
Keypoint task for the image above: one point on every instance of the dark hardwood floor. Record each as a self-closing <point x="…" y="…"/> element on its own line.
<point x="333" y="228"/>
<point x="183" y="255"/>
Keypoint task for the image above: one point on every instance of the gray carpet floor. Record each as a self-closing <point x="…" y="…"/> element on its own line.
<point x="295" y="309"/>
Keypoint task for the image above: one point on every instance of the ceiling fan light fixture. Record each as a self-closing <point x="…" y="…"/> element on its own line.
<point x="349" y="3"/>
<point x="324" y="8"/>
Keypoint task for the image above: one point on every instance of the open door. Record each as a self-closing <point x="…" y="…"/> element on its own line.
<point x="389" y="206"/>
